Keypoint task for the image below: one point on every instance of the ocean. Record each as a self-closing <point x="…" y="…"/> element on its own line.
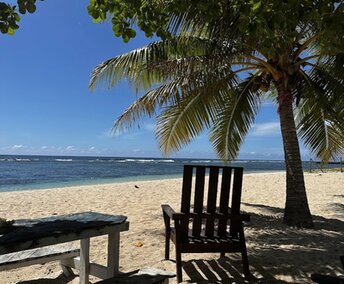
<point x="40" y="172"/>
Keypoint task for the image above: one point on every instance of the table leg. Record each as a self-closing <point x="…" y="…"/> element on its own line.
<point x="113" y="255"/>
<point x="84" y="261"/>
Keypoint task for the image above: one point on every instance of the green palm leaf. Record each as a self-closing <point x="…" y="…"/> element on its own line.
<point x="148" y="104"/>
<point x="321" y="136"/>
<point x="195" y="110"/>
<point x="172" y="92"/>
<point x="320" y="116"/>
<point x="234" y="119"/>
<point x="162" y="60"/>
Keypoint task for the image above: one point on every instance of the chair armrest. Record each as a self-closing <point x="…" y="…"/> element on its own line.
<point x="168" y="211"/>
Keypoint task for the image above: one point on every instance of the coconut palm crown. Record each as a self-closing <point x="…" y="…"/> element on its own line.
<point x="213" y="72"/>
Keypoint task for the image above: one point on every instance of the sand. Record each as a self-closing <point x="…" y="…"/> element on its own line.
<point x="277" y="253"/>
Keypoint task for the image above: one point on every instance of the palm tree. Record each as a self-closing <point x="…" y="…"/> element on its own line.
<point x="217" y="80"/>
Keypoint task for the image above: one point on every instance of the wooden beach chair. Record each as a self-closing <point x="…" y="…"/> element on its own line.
<point x="210" y="227"/>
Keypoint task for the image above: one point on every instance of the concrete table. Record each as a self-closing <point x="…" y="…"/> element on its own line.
<point x="36" y="233"/>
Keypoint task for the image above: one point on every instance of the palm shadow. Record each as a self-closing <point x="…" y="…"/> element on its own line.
<point x="277" y="253"/>
<point x="278" y="248"/>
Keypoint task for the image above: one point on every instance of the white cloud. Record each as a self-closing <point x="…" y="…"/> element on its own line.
<point x="18" y="146"/>
<point x="70" y="148"/>
<point x="266" y="129"/>
<point x="275" y="154"/>
<point x="91" y="148"/>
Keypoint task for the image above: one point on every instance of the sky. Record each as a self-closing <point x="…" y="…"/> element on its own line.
<point x="47" y="109"/>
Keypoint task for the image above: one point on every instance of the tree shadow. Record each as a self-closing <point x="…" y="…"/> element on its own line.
<point x="277" y="253"/>
<point x="300" y="251"/>
<point x="273" y="217"/>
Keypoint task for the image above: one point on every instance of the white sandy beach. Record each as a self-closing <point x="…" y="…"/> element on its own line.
<point x="277" y="253"/>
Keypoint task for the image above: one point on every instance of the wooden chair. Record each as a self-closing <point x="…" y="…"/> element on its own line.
<point x="215" y="227"/>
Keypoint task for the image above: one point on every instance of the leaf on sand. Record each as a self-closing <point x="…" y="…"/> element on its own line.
<point x="138" y="244"/>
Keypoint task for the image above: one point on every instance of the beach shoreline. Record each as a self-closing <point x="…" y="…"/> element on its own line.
<point x="19" y="173"/>
<point x="95" y="182"/>
<point x="276" y="252"/>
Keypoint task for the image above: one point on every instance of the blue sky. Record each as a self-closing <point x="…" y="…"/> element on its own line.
<point x="46" y="107"/>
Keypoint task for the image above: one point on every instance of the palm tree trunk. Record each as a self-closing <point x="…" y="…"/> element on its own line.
<point x="297" y="211"/>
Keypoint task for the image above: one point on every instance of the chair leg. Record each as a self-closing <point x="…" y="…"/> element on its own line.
<point x="179" y="265"/>
<point x="244" y="254"/>
<point x="245" y="264"/>
<point x="167" y="222"/>
<point x="167" y="244"/>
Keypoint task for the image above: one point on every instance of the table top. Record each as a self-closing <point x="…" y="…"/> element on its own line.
<point x="33" y="233"/>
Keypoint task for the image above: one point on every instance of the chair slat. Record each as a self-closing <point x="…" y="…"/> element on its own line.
<point x="236" y="195"/>
<point x="225" y="189"/>
<point x="198" y="203"/>
<point x="211" y="204"/>
<point x="236" y="200"/>
<point x="224" y="199"/>
<point x="186" y="189"/>
<point x="186" y="199"/>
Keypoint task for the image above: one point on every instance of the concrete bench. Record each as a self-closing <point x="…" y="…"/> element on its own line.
<point x="142" y="276"/>
<point x="38" y="256"/>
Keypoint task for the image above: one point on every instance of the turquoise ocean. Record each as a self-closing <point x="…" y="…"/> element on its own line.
<point x="39" y="172"/>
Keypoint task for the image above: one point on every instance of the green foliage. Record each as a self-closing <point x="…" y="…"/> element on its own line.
<point x="9" y="15"/>
<point x="191" y="76"/>
<point x="270" y="24"/>
<point x="8" y="19"/>
<point x="320" y="116"/>
<point x="125" y="13"/>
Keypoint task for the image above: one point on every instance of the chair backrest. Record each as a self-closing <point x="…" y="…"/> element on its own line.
<point x="222" y="194"/>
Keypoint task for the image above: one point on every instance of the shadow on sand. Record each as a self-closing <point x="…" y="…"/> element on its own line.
<point x="61" y="279"/>
<point x="277" y="253"/>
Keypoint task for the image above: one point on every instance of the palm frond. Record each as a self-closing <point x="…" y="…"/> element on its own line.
<point x="323" y="86"/>
<point x="194" y="19"/>
<point x="234" y="120"/>
<point x="162" y="60"/>
<point x="171" y="92"/>
<point x="333" y="65"/>
<point x="324" y="138"/>
<point x="147" y="104"/>
<point x="320" y="116"/>
<point x="195" y="110"/>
